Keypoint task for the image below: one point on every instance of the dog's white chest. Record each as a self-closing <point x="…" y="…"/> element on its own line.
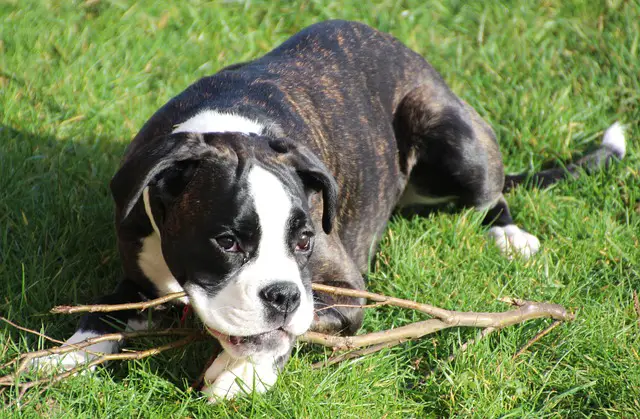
<point x="155" y="268"/>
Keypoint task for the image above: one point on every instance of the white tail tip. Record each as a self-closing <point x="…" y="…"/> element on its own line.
<point x="614" y="139"/>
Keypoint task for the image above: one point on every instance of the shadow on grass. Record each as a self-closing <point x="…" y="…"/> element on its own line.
<point x="57" y="241"/>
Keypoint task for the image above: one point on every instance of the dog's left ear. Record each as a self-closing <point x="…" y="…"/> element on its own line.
<point x="314" y="174"/>
<point x="168" y="161"/>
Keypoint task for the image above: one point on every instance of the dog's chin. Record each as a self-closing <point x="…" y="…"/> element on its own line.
<point x="275" y="343"/>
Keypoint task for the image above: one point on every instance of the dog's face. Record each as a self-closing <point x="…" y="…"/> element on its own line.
<point x="232" y="212"/>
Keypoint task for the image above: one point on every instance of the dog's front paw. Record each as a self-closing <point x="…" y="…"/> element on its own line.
<point x="512" y="240"/>
<point x="74" y="358"/>
<point x="61" y="362"/>
<point x="228" y="377"/>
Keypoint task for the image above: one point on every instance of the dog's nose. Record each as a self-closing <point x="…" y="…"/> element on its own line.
<point x="281" y="297"/>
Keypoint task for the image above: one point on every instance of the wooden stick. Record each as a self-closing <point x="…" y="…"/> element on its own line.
<point x="24" y="329"/>
<point x="357" y="353"/>
<point x="537" y="337"/>
<point x="526" y="311"/>
<point x="369" y="343"/>
<point x="49" y="381"/>
<point x="105" y="308"/>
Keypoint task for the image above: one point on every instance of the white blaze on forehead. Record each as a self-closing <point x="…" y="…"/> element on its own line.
<point x="237" y="309"/>
<point x="214" y="121"/>
<point x="273" y="206"/>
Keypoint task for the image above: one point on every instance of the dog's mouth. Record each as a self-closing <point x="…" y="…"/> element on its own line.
<point x="261" y="342"/>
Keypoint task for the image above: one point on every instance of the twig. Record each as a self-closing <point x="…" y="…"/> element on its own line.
<point x="24" y="329"/>
<point x="537" y="337"/>
<point x="369" y="343"/>
<point x="357" y="353"/>
<point x="105" y="308"/>
<point x="374" y="305"/>
<point x="526" y="311"/>
<point x="59" y="350"/>
<point x="49" y="381"/>
<point x="398" y="302"/>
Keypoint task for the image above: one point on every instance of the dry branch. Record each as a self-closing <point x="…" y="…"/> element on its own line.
<point x="105" y="308"/>
<point x="356" y="345"/>
<point x="537" y="337"/>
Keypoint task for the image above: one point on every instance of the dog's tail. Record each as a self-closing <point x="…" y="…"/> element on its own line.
<point x="613" y="146"/>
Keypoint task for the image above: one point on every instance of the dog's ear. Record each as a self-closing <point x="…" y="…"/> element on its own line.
<point x="314" y="174"/>
<point x="170" y="161"/>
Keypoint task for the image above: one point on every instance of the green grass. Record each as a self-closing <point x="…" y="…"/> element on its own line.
<point x="77" y="79"/>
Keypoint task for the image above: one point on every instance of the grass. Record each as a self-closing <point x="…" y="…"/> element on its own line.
<point x="77" y="79"/>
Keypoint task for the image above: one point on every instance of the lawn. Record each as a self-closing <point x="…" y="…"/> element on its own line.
<point x="78" y="79"/>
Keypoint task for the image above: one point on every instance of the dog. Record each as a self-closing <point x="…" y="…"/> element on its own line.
<point x="280" y="172"/>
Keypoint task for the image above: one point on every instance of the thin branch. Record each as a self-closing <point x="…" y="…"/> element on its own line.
<point x="537" y="337"/>
<point x="374" y="305"/>
<point x="105" y="308"/>
<point x="49" y="381"/>
<point x="527" y="311"/>
<point x="358" y="345"/>
<point x="398" y="302"/>
<point x="357" y="353"/>
<point x="24" y="329"/>
<point x="27" y="357"/>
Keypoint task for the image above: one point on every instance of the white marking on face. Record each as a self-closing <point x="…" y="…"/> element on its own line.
<point x="151" y="261"/>
<point x="214" y="121"/>
<point x="237" y="309"/>
<point x="227" y="377"/>
<point x="512" y="240"/>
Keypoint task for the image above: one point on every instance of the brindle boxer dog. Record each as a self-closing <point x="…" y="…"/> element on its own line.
<point x="279" y="172"/>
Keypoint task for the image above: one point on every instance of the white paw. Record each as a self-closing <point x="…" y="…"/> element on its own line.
<point x="61" y="362"/>
<point x="227" y="377"/>
<point x="514" y="241"/>
<point x="70" y="360"/>
<point x="614" y="139"/>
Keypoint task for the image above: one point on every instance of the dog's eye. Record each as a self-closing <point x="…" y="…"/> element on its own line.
<point x="304" y="242"/>
<point x="228" y="244"/>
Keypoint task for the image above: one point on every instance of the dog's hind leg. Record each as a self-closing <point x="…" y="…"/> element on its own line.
<point x="450" y="154"/>
<point x="97" y="324"/>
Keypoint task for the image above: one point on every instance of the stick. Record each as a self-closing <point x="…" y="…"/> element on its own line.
<point x="27" y="357"/>
<point x="453" y="318"/>
<point x="445" y="318"/>
<point x="536" y="338"/>
<point x="105" y="308"/>
<point x="526" y="311"/>
<point x="371" y="342"/>
<point x="357" y="354"/>
<point x="24" y="329"/>
<point x="49" y="381"/>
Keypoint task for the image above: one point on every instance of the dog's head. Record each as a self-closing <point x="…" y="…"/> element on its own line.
<point x="232" y="212"/>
